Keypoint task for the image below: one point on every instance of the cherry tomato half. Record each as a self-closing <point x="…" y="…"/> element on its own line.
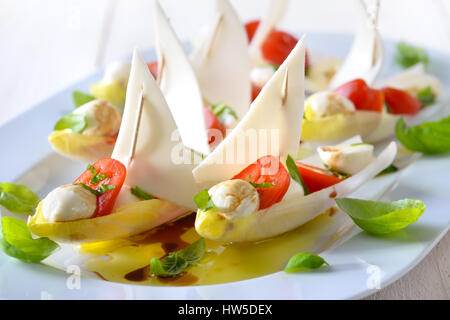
<point x="216" y="131"/>
<point x="116" y="173"/>
<point x="153" y="67"/>
<point x="316" y="178"/>
<point x="401" y="102"/>
<point x="277" y="46"/>
<point x="362" y="96"/>
<point x="267" y="169"/>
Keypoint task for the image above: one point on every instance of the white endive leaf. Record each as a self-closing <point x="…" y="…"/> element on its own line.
<point x="179" y="84"/>
<point x="290" y="214"/>
<point x="412" y="80"/>
<point x="222" y="63"/>
<point x="274" y="13"/>
<point x="272" y="126"/>
<point x="365" y="59"/>
<point x="153" y="168"/>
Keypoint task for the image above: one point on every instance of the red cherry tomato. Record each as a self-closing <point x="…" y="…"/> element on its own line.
<point x="315" y="178"/>
<point x="251" y="28"/>
<point x="116" y="173"/>
<point x="267" y="169"/>
<point x="216" y="131"/>
<point x="255" y="91"/>
<point x="153" y="67"/>
<point x="401" y="102"/>
<point x="277" y="46"/>
<point x="363" y="97"/>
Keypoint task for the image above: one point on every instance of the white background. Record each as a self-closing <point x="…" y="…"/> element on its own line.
<point x="48" y="44"/>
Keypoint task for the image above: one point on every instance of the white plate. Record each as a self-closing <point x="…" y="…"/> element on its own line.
<point x="358" y="267"/>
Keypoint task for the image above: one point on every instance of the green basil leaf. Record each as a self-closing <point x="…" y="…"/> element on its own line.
<point x="194" y="252"/>
<point x="80" y="98"/>
<point x="17" y="242"/>
<point x="221" y="111"/>
<point x="380" y="218"/>
<point x="260" y="185"/>
<point x="426" y="96"/>
<point x="203" y="200"/>
<point x="408" y="55"/>
<point x="18" y="198"/>
<point x="141" y="194"/>
<point x="295" y="174"/>
<point x="75" y="122"/>
<point x="428" y="138"/>
<point x="303" y="262"/>
<point x="336" y="173"/>
<point x="169" y="266"/>
<point x="96" y="178"/>
<point x="177" y="262"/>
<point x="389" y="169"/>
<point x="102" y="188"/>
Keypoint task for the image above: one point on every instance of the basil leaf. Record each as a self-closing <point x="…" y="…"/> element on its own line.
<point x="391" y="168"/>
<point x="378" y="217"/>
<point x="408" y="55"/>
<point x="428" y="138"/>
<point x="295" y="174"/>
<point x="141" y="194"/>
<point x="75" y="122"/>
<point x="177" y="262"/>
<point x="426" y="96"/>
<point x="203" y="200"/>
<point x="259" y="185"/>
<point x="221" y="111"/>
<point x="102" y="188"/>
<point x="194" y="252"/>
<point x="18" y="243"/>
<point x="96" y="178"/>
<point x="169" y="266"/>
<point x="18" y="198"/>
<point x="335" y="173"/>
<point x="303" y="262"/>
<point x="80" y="98"/>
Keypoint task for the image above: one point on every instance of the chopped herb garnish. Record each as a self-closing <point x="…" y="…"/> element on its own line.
<point x="221" y="111"/>
<point x="426" y="96"/>
<point x="141" y="194"/>
<point x="295" y="174"/>
<point x="203" y="200"/>
<point x="96" y="178"/>
<point x="336" y="173"/>
<point x="102" y="188"/>
<point x="260" y="185"/>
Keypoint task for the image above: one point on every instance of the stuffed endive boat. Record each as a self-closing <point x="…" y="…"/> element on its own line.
<point x="256" y="198"/>
<point x="123" y="195"/>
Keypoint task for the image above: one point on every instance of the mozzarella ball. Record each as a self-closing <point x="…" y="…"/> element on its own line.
<point x="260" y="75"/>
<point x="103" y="119"/>
<point x="118" y="71"/>
<point x="234" y="198"/>
<point x="327" y="103"/>
<point x="69" y="202"/>
<point x="347" y="159"/>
